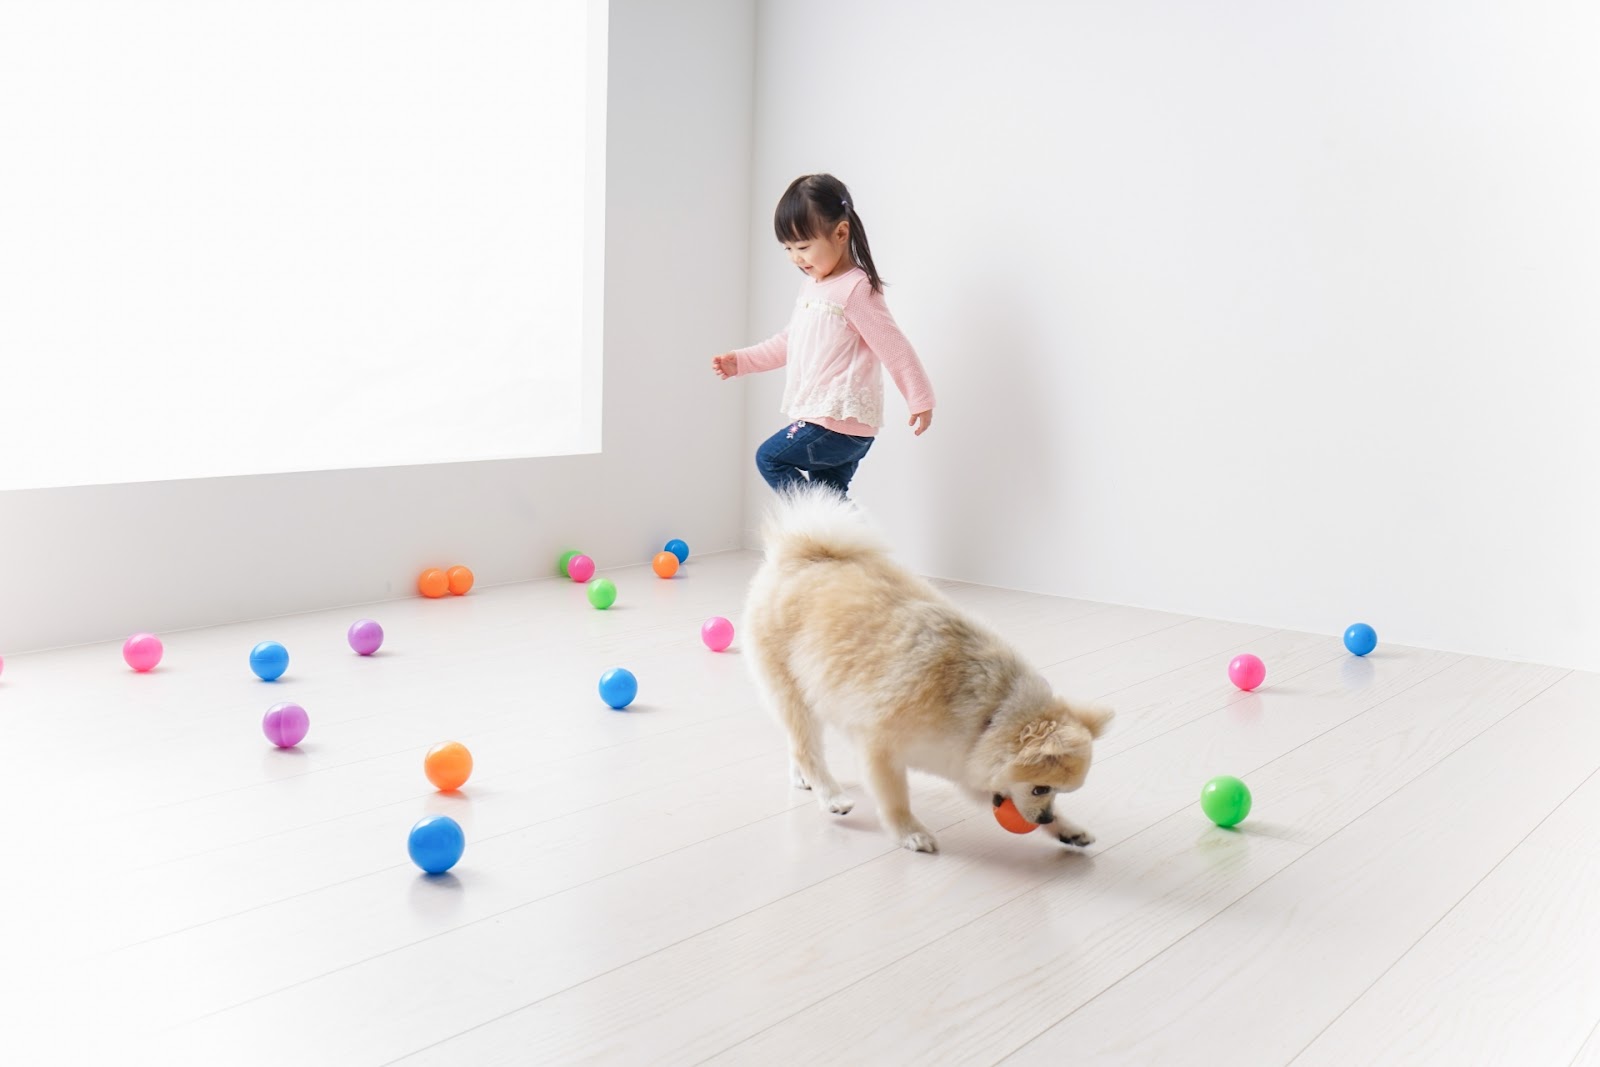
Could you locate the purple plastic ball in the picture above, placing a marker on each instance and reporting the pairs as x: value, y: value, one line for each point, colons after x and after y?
x: 286, y: 724
x: 366, y: 636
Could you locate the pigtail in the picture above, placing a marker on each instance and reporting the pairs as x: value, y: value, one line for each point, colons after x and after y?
x: 860, y: 250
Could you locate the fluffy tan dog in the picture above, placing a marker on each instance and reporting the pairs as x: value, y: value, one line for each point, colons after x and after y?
x: 838, y: 634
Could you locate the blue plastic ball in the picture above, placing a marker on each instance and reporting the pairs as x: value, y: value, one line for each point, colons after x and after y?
x: 269, y: 660
x: 679, y: 549
x: 618, y: 687
x: 1361, y: 639
x: 436, y: 843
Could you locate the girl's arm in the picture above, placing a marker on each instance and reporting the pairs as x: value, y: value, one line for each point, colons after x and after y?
x: 768, y: 355
x: 869, y: 314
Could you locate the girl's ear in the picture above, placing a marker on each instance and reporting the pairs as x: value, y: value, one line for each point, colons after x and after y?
x: 842, y: 231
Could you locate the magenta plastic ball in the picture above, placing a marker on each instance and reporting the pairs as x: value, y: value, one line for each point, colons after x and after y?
x: 286, y: 724
x: 366, y: 636
x: 142, y: 651
x: 580, y: 568
x: 1247, y: 671
x: 717, y: 633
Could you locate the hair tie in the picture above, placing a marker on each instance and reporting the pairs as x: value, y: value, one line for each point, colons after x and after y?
x: 845, y: 204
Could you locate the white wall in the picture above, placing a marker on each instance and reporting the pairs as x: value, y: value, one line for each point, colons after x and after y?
x: 99, y: 562
x: 1274, y: 312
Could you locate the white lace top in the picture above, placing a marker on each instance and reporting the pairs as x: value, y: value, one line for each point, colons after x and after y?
x: 839, y: 336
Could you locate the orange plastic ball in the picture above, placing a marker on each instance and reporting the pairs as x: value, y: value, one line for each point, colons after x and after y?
x: 460, y: 580
x: 433, y: 583
x: 665, y: 564
x: 448, y: 765
x: 1009, y: 817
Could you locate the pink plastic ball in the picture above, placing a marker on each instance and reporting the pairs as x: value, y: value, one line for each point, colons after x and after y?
x: 1247, y: 671
x: 365, y: 636
x: 717, y: 633
x: 142, y: 651
x: 286, y: 724
x: 580, y: 568
x: 2, y: 665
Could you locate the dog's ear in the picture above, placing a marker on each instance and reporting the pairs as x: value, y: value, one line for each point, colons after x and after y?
x: 1043, y: 740
x: 1095, y: 720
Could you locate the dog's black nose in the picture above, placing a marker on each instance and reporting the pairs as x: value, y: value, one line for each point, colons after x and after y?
x: 999, y: 800
x: 1047, y: 816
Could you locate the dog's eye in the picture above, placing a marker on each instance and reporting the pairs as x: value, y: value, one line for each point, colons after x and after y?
x: 1040, y: 790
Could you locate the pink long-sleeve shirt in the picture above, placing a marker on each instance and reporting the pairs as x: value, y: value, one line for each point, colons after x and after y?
x: 841, y: 332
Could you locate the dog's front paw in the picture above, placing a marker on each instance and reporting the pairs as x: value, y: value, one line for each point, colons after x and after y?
x: 1070, y: 833
x: 920, y: 841
x: 797, y: 776
x: 838, y: 804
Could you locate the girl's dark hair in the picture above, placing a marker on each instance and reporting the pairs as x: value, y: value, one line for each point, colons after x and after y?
x: 812, y: 207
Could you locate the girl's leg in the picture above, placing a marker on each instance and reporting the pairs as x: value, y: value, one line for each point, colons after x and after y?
x: 837, y: 477
x: 781, y: 458
x: 833, y: 458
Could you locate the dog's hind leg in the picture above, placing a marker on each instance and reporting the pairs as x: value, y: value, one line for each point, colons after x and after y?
x: 887, y: 777
x: 807, y: 768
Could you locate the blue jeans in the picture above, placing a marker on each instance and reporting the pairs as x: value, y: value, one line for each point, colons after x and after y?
x: 801, y: 449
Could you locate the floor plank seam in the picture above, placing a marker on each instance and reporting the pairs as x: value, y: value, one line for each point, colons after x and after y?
x: 1119, y: 644
x: 391, y: 754
x: 486, y: 837
x: 1576, y: 1056
x: 1444, y: 915
x: 1028, y: 889
x: 412, y: 798
x: 1280, y: 872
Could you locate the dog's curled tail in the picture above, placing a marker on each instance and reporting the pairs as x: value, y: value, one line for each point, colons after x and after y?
x: 811, y: 523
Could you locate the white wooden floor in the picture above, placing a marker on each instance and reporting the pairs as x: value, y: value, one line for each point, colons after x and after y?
x: 1419, y: 881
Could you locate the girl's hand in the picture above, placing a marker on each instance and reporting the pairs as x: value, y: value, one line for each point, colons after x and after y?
x: 921, y: 421
x: 725, y: 366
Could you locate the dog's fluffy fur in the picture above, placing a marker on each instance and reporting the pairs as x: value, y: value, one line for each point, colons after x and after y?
x: 838, y: 634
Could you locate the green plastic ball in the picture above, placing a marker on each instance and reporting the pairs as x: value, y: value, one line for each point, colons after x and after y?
x: 602, y: 593
x: 566, y: 558
x: 1225, y: 800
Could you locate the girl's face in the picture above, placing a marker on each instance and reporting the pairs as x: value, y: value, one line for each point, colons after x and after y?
x: 822, y: 257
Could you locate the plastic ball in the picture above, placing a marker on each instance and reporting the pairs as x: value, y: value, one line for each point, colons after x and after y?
x: 618, y: 687
x: 1007, y: 815
x: 433, y: 583
x: 717, y: 633
x: 365, y: 636
x: 2, y: 665
x: 665, y: 564
x: 580, y: 568
x: 459, y: 579
x: 269, y: 660
x: 603, y: 593
x: 1360, y: 639
x: 286, y: 724
x: 677, y: 548
x: 448, y: 765
x: 1247, y: 671
x: 566, y: 557
x: 1225, y: 800
x: 142, y: 651
x: 436, y: 843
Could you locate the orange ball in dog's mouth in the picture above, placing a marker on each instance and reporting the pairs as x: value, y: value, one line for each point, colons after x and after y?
x: 1007, y: 815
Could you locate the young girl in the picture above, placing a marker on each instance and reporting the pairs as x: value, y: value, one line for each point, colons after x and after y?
x: 840, y: 333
